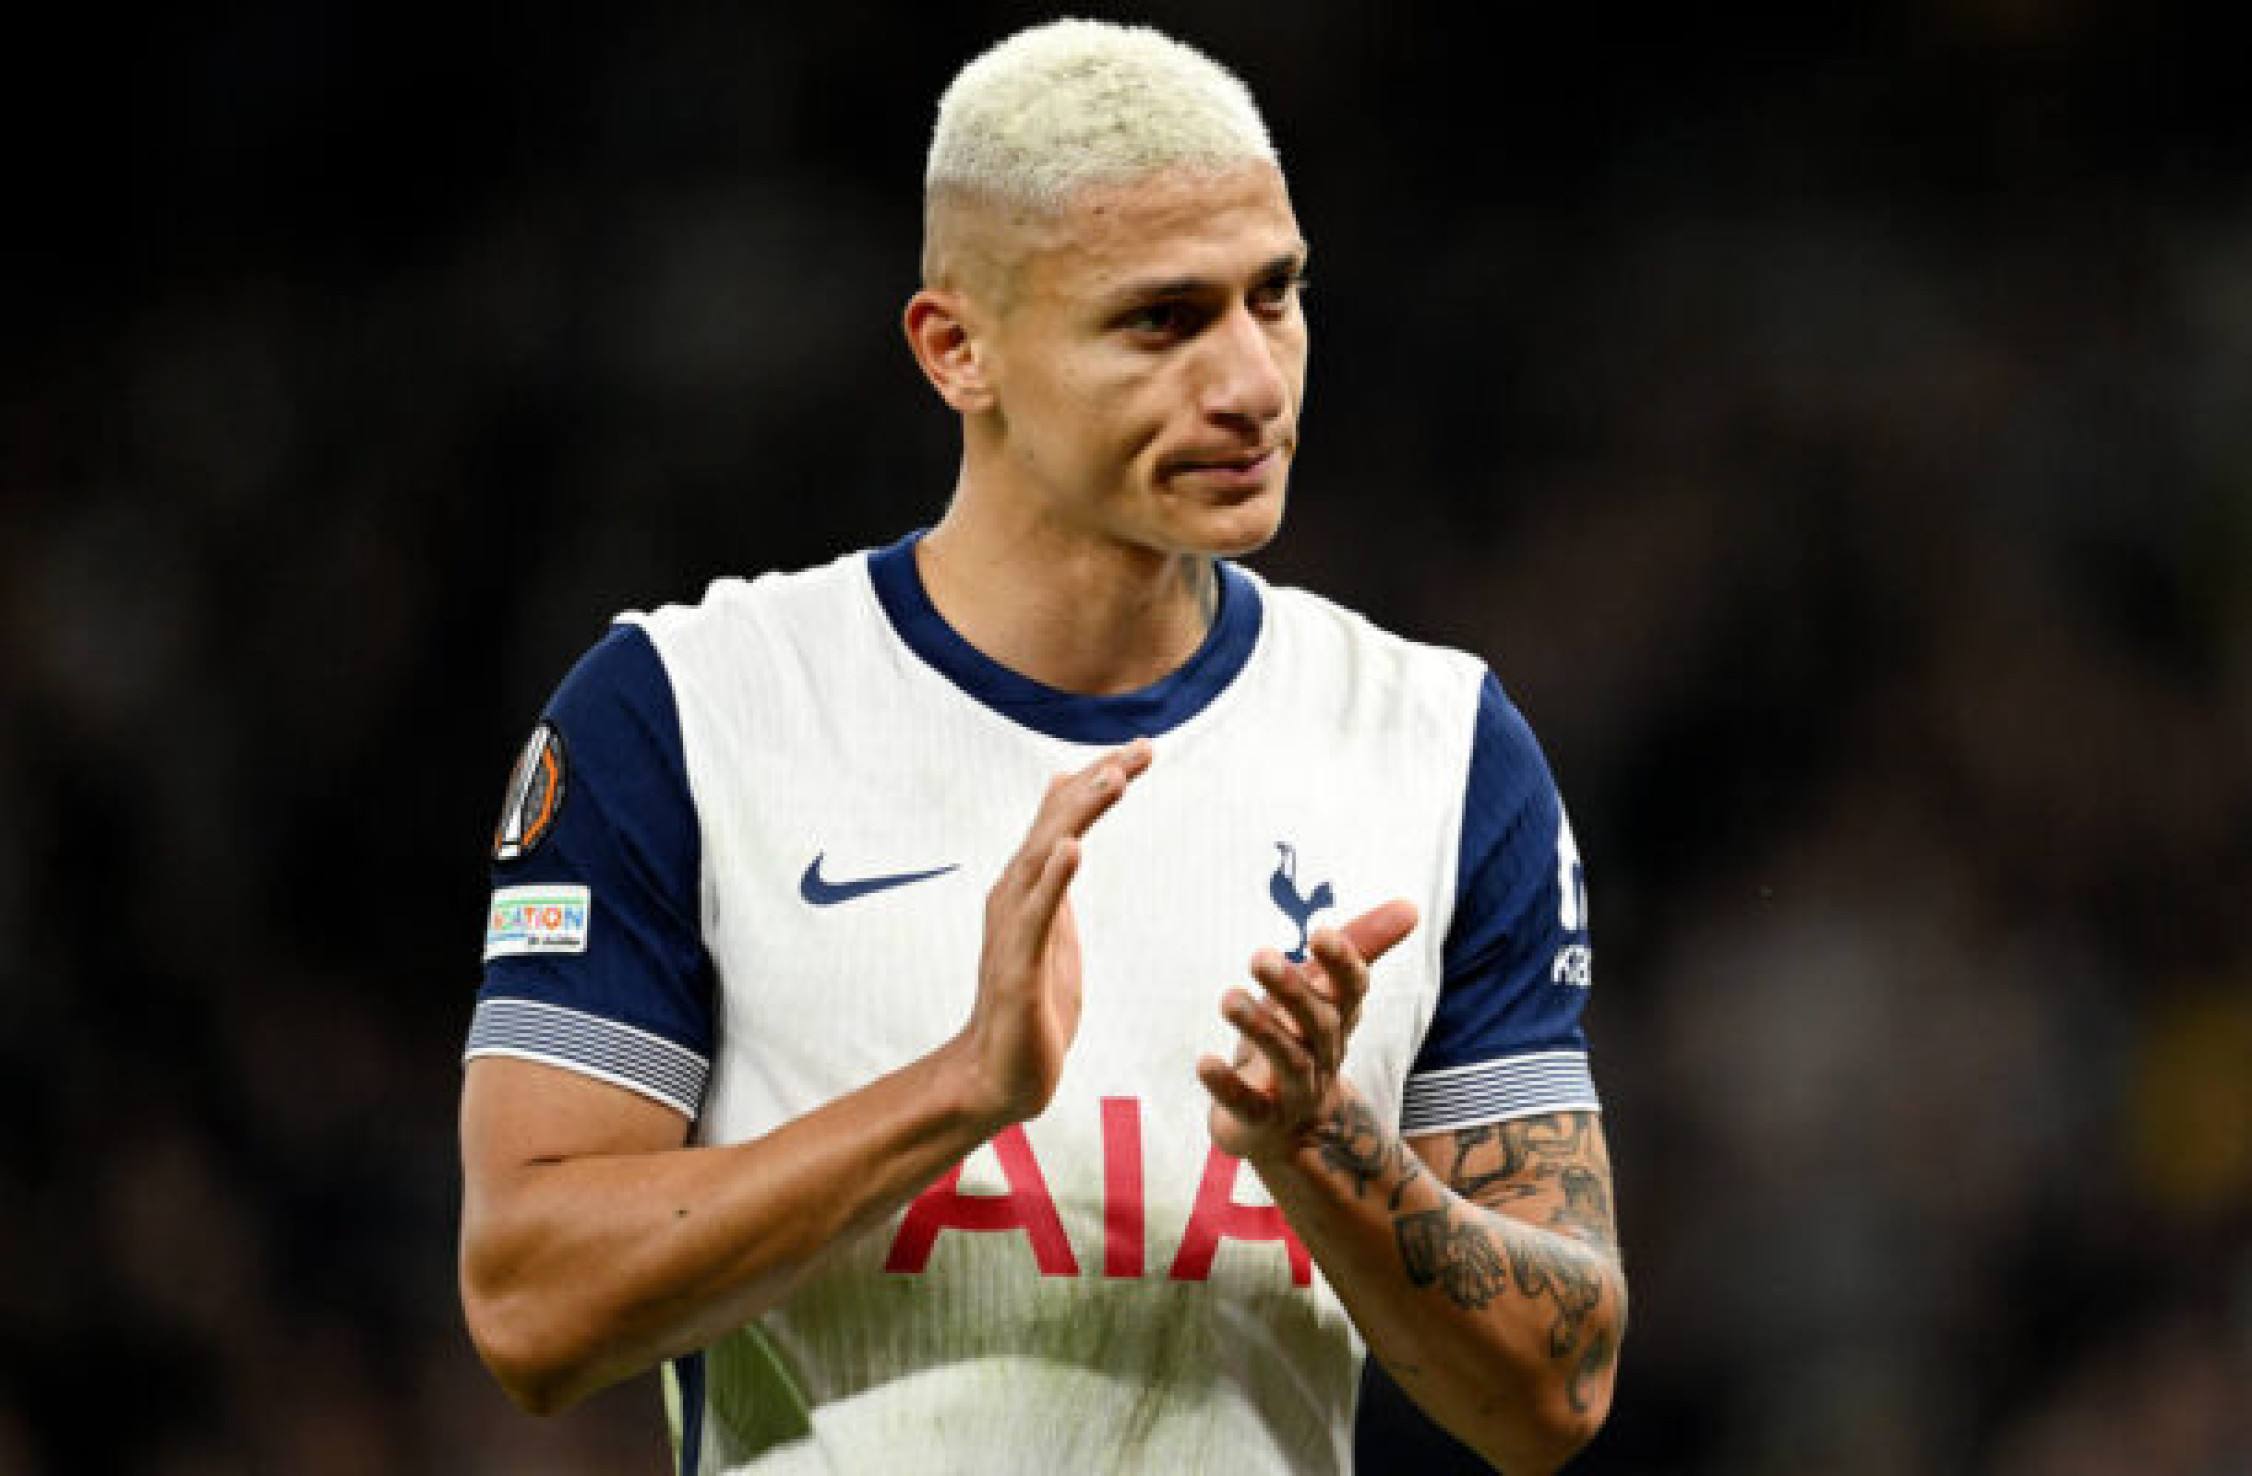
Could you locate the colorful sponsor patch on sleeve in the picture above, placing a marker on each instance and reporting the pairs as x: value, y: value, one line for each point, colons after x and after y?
x: 548, y: 919
x: 535, y: 795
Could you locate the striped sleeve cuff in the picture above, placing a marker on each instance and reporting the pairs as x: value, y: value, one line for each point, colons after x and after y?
x: 1493, y: 1091
x: 619, y: 1054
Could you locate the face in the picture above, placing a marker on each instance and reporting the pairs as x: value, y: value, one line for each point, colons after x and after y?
x: 1148, y: 365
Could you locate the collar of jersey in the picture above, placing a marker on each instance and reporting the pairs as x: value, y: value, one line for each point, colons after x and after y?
x: 1157, y: 708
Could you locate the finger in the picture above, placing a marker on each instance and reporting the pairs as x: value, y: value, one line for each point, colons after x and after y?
x: 1074, y: 802
x: 1281, y: 979
x: 1231, y: 1091
x: 1311, y: 1010
x: 1375, y: 932
x: 1266, y: 1028
x: 1046, y: 900
x: 1341, y: 968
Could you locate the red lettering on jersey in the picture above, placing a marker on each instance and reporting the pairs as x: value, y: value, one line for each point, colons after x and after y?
x: 1122, y: 1187
x: 1218, y: 1214
x: 1027, y: 1207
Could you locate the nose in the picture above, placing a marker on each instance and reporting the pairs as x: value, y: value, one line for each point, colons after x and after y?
x: 1245, y: 384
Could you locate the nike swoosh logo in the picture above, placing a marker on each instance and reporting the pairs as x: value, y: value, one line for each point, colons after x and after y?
x: 824, y: 893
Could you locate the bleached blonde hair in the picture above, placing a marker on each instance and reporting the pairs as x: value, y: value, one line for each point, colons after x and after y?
x: 1059, y: 107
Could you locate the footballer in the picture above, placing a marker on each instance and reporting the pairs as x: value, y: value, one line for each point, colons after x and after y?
x: 1036, y: 997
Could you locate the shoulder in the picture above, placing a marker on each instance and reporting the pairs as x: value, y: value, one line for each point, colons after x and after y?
x: 762, y: 632
x: 737, y: 607
x: 1430, y: 689
x: 1426, y: 677
x: 1448, y: 703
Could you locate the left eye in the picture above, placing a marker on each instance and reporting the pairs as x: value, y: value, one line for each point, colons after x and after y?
x: 1273, y: 295
x: 1163, y: 317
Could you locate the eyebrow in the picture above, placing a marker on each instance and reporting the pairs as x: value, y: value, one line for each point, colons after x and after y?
x: 1290, y: 263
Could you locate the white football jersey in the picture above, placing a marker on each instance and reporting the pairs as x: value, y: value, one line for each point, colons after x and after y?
x: 742, y: 870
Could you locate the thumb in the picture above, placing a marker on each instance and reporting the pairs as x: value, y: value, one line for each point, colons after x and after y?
x: 1375, y: 932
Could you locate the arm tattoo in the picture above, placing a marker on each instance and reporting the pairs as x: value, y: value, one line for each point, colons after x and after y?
x: 1512, y: 1157
x: 1460, y: 1258
x: 1357, y: 1145
x: 1545, y: 1268
x: 1465, y: 1259
x: 1601, y: 1350
x: 1587, y: 1209
x: 1506, y: 1162
x: 1567, y: 1264
x: 1472, y: 1258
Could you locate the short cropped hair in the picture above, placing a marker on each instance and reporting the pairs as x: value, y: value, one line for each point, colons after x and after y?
x: 1058, y: 107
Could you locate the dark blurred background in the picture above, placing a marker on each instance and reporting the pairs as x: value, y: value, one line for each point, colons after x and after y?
x: 1835, y: 429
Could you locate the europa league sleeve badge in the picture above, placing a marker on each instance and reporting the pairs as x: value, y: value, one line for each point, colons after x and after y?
x: 535, y: 795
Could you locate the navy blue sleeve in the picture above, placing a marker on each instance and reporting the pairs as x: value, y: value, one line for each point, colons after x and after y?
x: 1505, y: 1039
x: 594, y: 950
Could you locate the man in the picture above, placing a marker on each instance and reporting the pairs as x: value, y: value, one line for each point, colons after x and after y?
x: 888, y: 1182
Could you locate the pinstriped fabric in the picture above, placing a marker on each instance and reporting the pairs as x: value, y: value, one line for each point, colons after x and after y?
x: 635, y: 1059
x: 1514, y: 1086
x: 829, y: 723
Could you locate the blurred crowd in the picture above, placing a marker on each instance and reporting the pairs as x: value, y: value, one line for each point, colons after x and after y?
x: 1839, y: 443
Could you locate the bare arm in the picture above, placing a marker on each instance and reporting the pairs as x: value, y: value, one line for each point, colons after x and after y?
x: 1481, y: 1265
x: 595, y: 1245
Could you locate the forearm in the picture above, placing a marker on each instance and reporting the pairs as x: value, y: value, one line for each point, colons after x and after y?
x: 581, y: 1271
x: 1504, y: 1331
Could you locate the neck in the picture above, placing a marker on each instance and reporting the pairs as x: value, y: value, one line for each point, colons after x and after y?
x: 1069, y: 607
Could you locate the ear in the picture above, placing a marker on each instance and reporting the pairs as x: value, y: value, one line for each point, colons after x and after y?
x: 941, y: 337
